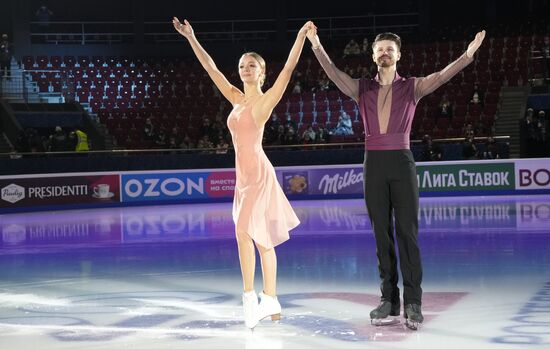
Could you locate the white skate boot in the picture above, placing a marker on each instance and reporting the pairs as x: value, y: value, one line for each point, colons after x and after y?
x: 250, y: 309
x: 269, y: 306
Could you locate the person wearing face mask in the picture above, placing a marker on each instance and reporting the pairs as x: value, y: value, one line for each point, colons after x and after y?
x: 387, y: 104
x: 262, y: 214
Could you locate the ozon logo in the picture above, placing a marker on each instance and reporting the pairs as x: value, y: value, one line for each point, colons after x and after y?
x: 158, y: 187
x: 534, y: 177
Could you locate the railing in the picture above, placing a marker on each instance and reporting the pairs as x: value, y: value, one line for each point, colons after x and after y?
x: 14, y: 87
x: 219, y: 30
x: 20, y: 84
x: 232, y: 30
x: 346, y: 26
x: 82, y: 33
x: 537, y: 56
x: 267, y: 148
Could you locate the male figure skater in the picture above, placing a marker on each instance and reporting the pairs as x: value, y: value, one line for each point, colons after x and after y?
x: 387, y: 104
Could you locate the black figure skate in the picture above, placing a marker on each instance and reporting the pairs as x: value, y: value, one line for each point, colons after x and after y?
x: 413, y: 316
x: 381, y: 315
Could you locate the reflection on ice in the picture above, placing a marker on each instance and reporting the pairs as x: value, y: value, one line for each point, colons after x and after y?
x: 197, y: 222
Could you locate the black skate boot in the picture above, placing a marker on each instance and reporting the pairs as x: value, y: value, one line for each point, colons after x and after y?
x: 379, y: 316
x: 413, y: 316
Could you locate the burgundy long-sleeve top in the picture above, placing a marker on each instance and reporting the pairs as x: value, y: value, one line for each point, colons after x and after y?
x: 388, y: 110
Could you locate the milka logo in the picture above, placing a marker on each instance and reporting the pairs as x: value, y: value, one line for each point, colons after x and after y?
x: 13, y: 193
x: 337, y: 182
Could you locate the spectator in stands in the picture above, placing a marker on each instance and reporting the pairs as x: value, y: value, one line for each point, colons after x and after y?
x: 262, y: 214
x: 323, y: 82
x: 349, y: 70
x: 297, y: 89
x: 430, y: 151
x: 79, y: 139
x: 546, y: 58
x: 307, y: 80
x: 291, y: 137
x: 298, y: 76
x: 205, y: 143
x: 344, y: 127
x: 36, y: 142
x: 468, y: 130
x: 279, y: 138
x: 528, y: 135
x: 187, y: 143
x: 352, y: 49
x: 541, y: 135
x: 161, y: 139
x: 222, y: 146
x: 480, y: 129
x: 387, y: 104
x: 364, y: 72
x: 289, y: 122
x: 492, y: 151
x: 478, y: 96
x: 219, y: 127
x: 308, y: 136
x: 206, y: 128
x: 445, y: 107
x: 133, y: 129
x: 174, y: 138
x: 6, y: 53
x: 322, y: 134
x: 22, y: 143
x: 365, y: 47
x: 469, y: 149
x: 43, y: 15
x: 148, y: 129
x: 271, y: 128
x: 58, y: 140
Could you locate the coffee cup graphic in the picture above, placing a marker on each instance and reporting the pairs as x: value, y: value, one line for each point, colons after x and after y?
x: 101, y: 191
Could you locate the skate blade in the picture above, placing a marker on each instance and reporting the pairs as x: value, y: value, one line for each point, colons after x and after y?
x: 385, y: 322
x: 413, y: 325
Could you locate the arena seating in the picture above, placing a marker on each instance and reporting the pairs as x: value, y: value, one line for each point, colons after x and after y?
x: 125, y: 91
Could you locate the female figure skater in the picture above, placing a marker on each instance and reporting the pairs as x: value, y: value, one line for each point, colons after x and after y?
x: 261, y: 212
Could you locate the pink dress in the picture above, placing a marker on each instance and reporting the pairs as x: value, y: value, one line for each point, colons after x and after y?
x: 260, y: 207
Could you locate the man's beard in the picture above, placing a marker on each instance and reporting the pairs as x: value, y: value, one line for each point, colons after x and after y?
x: 385, y: 62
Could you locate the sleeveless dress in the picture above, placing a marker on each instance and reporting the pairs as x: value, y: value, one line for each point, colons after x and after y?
x: 260, y: 207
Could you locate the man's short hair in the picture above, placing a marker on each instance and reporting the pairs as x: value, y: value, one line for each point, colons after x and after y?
x: 388, y: 36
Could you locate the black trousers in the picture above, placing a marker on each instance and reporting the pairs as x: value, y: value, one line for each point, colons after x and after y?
x: 391, y: 195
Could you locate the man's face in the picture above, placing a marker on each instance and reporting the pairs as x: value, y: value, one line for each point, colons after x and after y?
x: 385, y: 53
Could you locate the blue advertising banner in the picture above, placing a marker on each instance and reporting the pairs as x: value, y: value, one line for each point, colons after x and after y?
x: 163, y: 186
x: 178, y: 186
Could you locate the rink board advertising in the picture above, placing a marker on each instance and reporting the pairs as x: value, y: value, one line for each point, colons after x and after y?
x: 457, y: 178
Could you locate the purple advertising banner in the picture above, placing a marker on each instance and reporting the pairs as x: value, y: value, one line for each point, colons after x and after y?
x: 323, y: 181
x: 46, y: 191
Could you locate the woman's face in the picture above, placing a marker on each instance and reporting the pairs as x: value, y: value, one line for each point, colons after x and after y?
x: 250, y: 69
